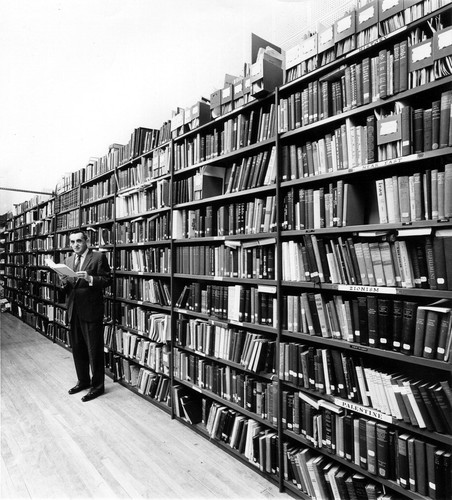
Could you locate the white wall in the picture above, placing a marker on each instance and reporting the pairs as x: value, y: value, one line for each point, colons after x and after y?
x: 78, y: 75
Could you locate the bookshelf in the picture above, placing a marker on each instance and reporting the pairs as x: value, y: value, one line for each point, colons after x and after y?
x: 282, y: 279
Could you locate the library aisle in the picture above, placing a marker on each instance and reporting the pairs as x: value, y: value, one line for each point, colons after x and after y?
x: 117, y: 446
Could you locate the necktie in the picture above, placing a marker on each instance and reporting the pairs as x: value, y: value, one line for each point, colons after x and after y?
x: 78, y: 259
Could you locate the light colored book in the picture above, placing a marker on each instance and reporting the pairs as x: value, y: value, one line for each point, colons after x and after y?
x: 61, y: 269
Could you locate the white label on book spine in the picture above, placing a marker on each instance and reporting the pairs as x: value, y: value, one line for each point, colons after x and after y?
x: 388, y: 4
x: 444, y: 39
x: 266, y: 289
x: 422, y: 52
x: 367, y: 14
x: 344, y: 24
x: 389, y: 127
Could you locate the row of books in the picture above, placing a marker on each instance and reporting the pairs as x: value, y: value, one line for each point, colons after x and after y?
x: 317, y: 476
x: 143, y: 140
x: 148, y: 260
x: 68, y: 200
x: 39, y: 290
x: 417, y: 466
x: 348, y: 87
x: 42, y: 275
x: 60, y: 334
x: 251, y: 350
x: 251, y: 172
x: 151, y: 167
x: 398, y: 325
x: 250, y: 438
x: 379, y: 24
x: 155, y: 356
x: 252, y: 217
x: 143, y: 230
x: 369, y: 80
x: 158, y: 162
x: 341, y: 204
x: 100, y: 236
x: 146, y: 382
x: 234, y: 133
x: 416, y: 197
x: 41, y: 228
x: 98, y: 190
x: 100, y: 212
x: 329, y: 371
x: 155, y: 326
x: 143, y: 290
x: 373, y: 446
x: 234, y: 303
x: 154, y: 385
x: 353, y: 144
x: 68, y: 221
x: 410, y: 262
x: 153, y: 198
x: 233, y: 259
x: 41, y: 244
x: 255, y: 395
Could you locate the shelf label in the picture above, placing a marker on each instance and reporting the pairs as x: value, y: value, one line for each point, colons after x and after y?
x: 371, y: 412
x: 367, y: 289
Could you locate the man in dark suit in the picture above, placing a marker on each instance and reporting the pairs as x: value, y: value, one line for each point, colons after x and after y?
x: 85, y: 307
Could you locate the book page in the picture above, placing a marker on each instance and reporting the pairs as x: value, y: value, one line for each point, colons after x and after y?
x: 61, y: 269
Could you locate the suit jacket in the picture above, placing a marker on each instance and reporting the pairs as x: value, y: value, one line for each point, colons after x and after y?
x: 88, y: 299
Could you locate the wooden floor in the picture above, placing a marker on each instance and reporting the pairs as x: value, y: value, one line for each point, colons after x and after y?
x: 117, y: 446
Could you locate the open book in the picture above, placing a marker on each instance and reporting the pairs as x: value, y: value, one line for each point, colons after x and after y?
x: 61, y: 268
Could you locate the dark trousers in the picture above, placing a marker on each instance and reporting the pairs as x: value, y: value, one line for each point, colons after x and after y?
x: 88, y: 351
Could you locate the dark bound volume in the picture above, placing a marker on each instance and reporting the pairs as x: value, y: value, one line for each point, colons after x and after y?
x: 421, y: 466
x: 432, y: 322
x: 418, y: 130
x: 426, y: 390
x: 444, y: 124
x: 385, y: 323
x: 372, y: 321
x: 436, y: 113
x: 440, y: 264
x: 363, y: 463
x: 402, y: 452
x: 430, y: 451
x: 382, y: 434
x: 445, y: 411
x: 419, y: 333
x: 408, y: 327
x: 397, y: 318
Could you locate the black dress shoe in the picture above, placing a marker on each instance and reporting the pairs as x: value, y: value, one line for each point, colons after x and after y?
x: 78, y: 388
x: 92, y: 394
